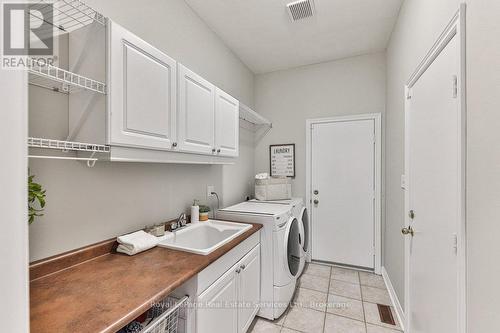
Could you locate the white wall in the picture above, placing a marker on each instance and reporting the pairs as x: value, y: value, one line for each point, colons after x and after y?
x: 88, y: 205
x: 483, y: 165
x: 287, y: 98
x: 419, y: 24
x: 14, y: 311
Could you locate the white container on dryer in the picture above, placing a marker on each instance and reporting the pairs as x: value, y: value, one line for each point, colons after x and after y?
x: 299, y: 211
x: 280, y: 252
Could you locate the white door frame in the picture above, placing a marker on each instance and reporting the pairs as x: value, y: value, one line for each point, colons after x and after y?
x: 456, y: 28
x: 377, y: 118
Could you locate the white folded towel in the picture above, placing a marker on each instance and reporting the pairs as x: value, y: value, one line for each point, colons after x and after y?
x: 136, y: 242
x: 264, y: 175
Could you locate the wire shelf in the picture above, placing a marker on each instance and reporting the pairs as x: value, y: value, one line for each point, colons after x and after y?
x: 61, y: 80
x: 67, y: 16
x: 67, y: 145
x: 253, y: 117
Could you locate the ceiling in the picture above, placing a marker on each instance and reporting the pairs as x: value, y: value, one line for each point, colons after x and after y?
x: 261, y: 34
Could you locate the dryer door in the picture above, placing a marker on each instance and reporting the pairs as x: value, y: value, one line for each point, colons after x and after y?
x: 292, y: 247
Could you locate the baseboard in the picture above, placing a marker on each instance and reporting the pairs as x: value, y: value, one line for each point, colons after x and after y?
x: 394, y: 298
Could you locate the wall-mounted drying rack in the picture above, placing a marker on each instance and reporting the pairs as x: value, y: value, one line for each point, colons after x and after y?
x: 67, y: 16
x: 61, y: 80
x: 63, y: 16
x: 67, y: 146
x: 260, y: 124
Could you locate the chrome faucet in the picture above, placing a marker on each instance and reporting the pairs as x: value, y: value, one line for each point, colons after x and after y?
x: 182, y: 220
x: 180, y: 223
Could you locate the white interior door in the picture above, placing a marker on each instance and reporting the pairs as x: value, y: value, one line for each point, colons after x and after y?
x: 433, y: 196
x: 343, y: 191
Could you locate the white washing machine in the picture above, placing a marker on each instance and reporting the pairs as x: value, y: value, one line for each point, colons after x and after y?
x: 280, y: 252
x: 299, y: 211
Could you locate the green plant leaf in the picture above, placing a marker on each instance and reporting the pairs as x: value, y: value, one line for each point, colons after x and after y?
x: 36, y: 198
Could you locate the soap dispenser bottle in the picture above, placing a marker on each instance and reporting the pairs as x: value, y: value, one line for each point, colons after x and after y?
x: 195, y: 212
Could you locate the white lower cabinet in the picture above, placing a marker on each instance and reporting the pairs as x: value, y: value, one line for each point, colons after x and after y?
x: 230, y: 303
x: 216, y: 312
x: 249, y: 289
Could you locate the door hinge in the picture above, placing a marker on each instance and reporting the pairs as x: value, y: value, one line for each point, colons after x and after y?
x: 455, y: 243
x: 408, y: 94
x: 455, y: 86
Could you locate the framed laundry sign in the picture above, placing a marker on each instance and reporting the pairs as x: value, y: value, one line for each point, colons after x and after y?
x: 282, y: 160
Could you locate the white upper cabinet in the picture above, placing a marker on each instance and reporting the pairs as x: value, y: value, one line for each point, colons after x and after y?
x: 226, y: 124
x: 196, y: 114
x: 157, y: 109
x: 142, y: 99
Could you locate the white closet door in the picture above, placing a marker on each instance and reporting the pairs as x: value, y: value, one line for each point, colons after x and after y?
x: 196, y: 113
x: 227, y: 124
x: 343, y: 168
x: 142, y: 96
x: 434, y: 196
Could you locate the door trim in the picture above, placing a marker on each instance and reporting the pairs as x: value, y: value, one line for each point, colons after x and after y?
x: 377, y: 118
x: 455, y: 28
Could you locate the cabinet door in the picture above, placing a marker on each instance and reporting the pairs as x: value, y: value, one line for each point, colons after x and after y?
x: 216, y: 310
x: 142, y: 95
x: 227, y: 124
x: 196, y: 113
x: 249, y: 289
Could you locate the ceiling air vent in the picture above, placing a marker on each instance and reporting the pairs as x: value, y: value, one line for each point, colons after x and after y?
x: 301, y: 9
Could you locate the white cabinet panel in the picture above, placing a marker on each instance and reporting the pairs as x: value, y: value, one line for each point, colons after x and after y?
x: 226, y: 124
x: 230, y: 304
x: 196, y: 113
x: 142, y: 97
x: 216, y: 311
x: 249, y: 289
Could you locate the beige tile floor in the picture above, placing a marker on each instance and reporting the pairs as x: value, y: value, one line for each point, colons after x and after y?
x: 333, y: 300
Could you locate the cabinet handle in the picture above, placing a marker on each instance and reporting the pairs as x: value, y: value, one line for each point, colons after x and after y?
x: 238, y: 271
x: 213, y: 150
x: 243, y: 266
x: 218, y: 150
x: 174, y: 144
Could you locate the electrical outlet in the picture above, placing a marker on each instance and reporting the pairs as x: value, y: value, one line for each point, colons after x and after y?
x: 210, y: 189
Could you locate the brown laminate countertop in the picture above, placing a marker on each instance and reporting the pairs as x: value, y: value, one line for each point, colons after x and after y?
x: 106, y: 293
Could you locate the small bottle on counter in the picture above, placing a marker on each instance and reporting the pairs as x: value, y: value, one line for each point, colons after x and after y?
x: 195, y: 212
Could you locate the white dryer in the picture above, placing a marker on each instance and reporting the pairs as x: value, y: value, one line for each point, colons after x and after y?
x: 299, y: 211
x: 280, y: 252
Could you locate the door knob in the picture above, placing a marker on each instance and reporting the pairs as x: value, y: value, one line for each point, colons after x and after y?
x: 213, y: 150
x: 407, y: 231
x: 218, y: 150
x: 238, y: 271
x: 316, y: 192
x: 316, y: 201
x: 243, y: 266
x: 174, y: 144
